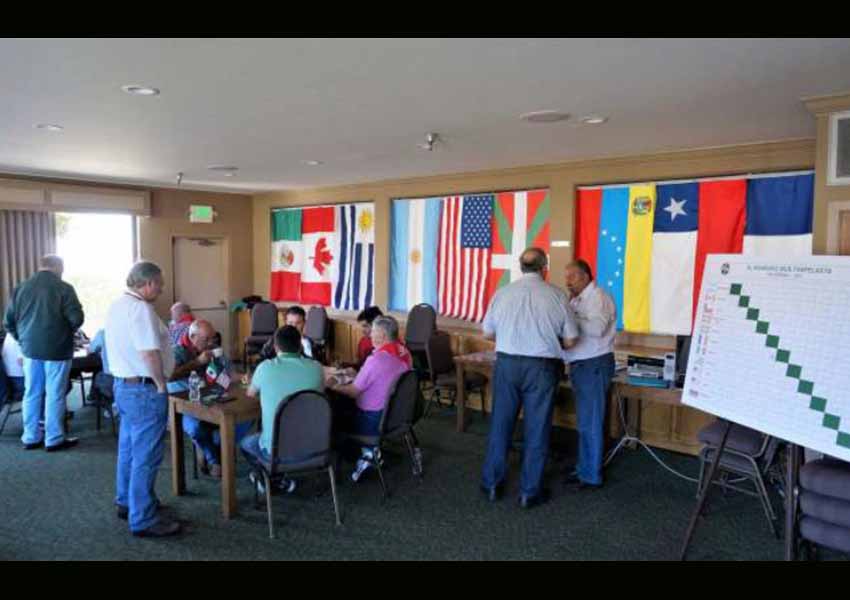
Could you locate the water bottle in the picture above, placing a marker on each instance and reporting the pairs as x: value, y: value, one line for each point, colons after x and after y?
x: 194, y: 387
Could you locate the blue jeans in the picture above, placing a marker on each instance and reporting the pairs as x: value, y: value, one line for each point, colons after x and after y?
x: 591, y: 379
x: 45, y: 381
x: 144, y: 415
x: 207, y: 437
x: 530, y: 384
x: 252, y: 452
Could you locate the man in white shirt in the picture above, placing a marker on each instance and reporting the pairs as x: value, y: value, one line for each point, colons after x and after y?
x: 591, y: 363
x: 13, y: 366
x: 141, y: 362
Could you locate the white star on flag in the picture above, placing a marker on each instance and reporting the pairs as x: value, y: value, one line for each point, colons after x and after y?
x: 676, y: 208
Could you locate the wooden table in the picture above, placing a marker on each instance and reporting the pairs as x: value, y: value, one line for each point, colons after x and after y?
x: 477, y: 362
x: 226, y: 415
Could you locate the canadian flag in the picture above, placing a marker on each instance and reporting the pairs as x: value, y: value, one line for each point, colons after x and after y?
x: 317, y: 239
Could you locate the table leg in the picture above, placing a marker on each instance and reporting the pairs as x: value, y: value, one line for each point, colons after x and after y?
x: 178, y: 466
x: 460, y: 400
x: 227, y: 429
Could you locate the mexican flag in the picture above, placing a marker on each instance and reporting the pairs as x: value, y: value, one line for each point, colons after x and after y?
x: 317, y: 237
x: 520, y: 220
x: 287, y: 255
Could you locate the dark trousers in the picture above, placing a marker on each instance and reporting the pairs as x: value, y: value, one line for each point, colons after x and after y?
x: 591, y: 379
x: 527, y: 383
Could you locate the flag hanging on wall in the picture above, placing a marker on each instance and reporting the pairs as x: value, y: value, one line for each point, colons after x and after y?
x: 324, y: 255
x: 647, y: 243
x: 454, y: 252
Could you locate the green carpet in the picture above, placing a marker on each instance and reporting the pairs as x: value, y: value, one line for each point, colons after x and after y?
x: 59, y: 506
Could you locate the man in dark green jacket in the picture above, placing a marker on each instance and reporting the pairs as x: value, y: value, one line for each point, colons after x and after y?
x: 43, y: 315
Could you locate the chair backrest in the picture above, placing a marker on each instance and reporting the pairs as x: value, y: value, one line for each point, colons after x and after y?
x: 439, y: 353
x: 263, y: 318
x: 401, y: 405
x: 421, y: 324
x: 316, y: 327
x: 302, y: 428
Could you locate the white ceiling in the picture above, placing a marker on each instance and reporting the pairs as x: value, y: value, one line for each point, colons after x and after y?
x: 362, y: 105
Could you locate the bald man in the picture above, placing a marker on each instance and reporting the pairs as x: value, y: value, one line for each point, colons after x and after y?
x: 194, y: 352
x: 181, y: 318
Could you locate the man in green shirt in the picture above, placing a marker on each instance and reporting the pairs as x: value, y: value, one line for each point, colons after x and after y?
x: 275, y: 380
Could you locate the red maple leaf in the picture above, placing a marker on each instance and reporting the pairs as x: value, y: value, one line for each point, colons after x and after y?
x: 322, y: 256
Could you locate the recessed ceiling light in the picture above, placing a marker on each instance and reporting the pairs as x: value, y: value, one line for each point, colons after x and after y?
x: 49, y: 127
x: 312, y: 163
x: 593, y: 120
x: 545, y: 116
x: 226, y: 169
x: 229, y: 173
x: 140, y: 90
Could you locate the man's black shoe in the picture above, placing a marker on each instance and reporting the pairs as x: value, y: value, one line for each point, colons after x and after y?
x: 33, y: 446
x: 531, y: 501
x: 63, y: 445
x: 160, y: 529
x: 123, y: 512
x: 492, y: 494
x: 572, y: 479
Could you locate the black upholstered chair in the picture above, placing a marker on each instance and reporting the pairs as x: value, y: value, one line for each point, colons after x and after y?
x: 443, y: 374
x: 823, y: 505
x: 421, y: 325
x: 301, y: 445
x: 397, y: 422
x: 748, y: 455
x: 263, y: 326
x: 316, y: 329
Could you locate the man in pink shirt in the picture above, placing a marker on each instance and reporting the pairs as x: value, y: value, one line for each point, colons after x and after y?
x: 373, y: 385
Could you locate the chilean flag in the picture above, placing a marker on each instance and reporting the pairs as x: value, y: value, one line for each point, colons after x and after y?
x: 761, y: 216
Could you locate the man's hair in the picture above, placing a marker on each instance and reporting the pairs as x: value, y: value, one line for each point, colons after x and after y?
x: 296, y: 310
x: 370, y: 314
x: 388, y: 325
x: 51, y: 262
x: 532, y: 260
x: 582, y: 266
x: 142, y: 273
x: 287, y: 339
x: 182, y: 307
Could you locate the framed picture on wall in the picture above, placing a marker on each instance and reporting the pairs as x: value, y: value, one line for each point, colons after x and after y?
x: 838, y: 171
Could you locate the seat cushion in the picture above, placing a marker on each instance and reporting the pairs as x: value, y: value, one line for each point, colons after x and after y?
x: 825, y: 508
x: 731, y: 462
x: 825, y: 534
x: 743, y: 439
x: 828, y: 477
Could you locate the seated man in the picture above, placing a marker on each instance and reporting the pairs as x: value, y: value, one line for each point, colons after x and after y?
x: 372, y: 387
x: 103, y: 381
x: 364, y: 346
x: 181, y: 318
x: 194, y: 353
x: 13, y: 368
x: 295, y: 317
x: 274, y: 380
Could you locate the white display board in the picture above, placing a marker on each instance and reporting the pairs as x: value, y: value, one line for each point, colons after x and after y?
x: 771, y: 348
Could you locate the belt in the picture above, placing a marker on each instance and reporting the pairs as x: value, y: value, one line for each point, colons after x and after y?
x: 137, y: 380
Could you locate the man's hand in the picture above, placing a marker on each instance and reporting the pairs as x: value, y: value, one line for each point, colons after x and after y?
x: 204, y: 357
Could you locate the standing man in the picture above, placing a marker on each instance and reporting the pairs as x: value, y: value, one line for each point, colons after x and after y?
x: 43, y: 315
x: 532, y: 322
x: 141, y: 361
x: 591, y: 370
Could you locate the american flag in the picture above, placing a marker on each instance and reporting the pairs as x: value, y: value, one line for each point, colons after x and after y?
x: 463, y: 261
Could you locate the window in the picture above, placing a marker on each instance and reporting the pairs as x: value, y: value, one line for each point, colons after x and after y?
x: 98, y: 253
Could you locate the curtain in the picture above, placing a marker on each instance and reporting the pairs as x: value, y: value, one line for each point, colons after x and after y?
x: 24, y: 238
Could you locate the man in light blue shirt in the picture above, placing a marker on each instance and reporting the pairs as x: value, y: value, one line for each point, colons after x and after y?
x: 532, y: 322
x: 591, y: 370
